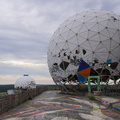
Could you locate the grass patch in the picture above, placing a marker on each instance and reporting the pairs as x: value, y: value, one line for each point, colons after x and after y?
x: 91, y: 98
x: 110, y: 106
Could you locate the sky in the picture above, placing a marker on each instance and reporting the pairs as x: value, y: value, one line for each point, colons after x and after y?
x: 26, y: 28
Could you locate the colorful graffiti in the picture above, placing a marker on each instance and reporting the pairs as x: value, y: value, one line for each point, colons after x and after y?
x: 49, y: 104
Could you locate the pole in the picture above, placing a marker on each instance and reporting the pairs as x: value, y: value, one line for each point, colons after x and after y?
x: 89, y: 86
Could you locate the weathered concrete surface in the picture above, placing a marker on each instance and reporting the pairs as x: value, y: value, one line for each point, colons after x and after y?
x: 51, y: 105
x: 107, y: 100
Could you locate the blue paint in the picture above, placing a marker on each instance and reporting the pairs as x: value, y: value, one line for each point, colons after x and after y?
x: 81, y: 79
x: 83, y: 65
x: 109, y: 61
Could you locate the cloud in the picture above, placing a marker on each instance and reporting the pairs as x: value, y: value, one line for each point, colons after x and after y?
x: 26, y: 27
x: 111, y: 5
x: 11, y: 79
x: 20, y: 67
x: 93, y: 4
x: 19, y: 63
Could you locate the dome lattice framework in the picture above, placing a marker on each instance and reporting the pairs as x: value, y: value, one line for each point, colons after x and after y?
x: 89, y: 38
x: 25, y: 82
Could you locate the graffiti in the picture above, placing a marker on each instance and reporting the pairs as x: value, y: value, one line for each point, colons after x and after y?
x: 116, y: 104
x: 53, y: 105
x: 66, y: 63
x: 41, y: 107
x: 105, y: 102
x: 31, y: 83
x: 75, y: 61
x: 109, y: 112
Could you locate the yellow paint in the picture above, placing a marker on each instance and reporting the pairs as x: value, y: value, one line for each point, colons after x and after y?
x: 108, y: 112
x: 95, y: 108
x: 29, y: 106
x: 82, y: 83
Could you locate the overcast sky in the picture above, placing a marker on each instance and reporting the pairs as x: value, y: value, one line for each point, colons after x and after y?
x: 26, y: 27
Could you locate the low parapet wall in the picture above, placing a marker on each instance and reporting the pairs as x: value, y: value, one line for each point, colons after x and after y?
x: 8, y: 102
x: 84, y: 88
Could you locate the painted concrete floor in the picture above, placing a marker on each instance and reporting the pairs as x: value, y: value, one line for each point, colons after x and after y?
x: 51, y: 105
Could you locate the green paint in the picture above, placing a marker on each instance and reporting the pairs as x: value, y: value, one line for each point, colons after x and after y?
x: 98, y: 81
x: 89, y: 86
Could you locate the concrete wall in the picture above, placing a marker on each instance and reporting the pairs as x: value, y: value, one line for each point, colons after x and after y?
x: 8, y: 102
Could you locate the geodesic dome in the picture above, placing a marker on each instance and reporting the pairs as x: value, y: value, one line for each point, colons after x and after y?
x: 25, y: 82
x: 85, y: 44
